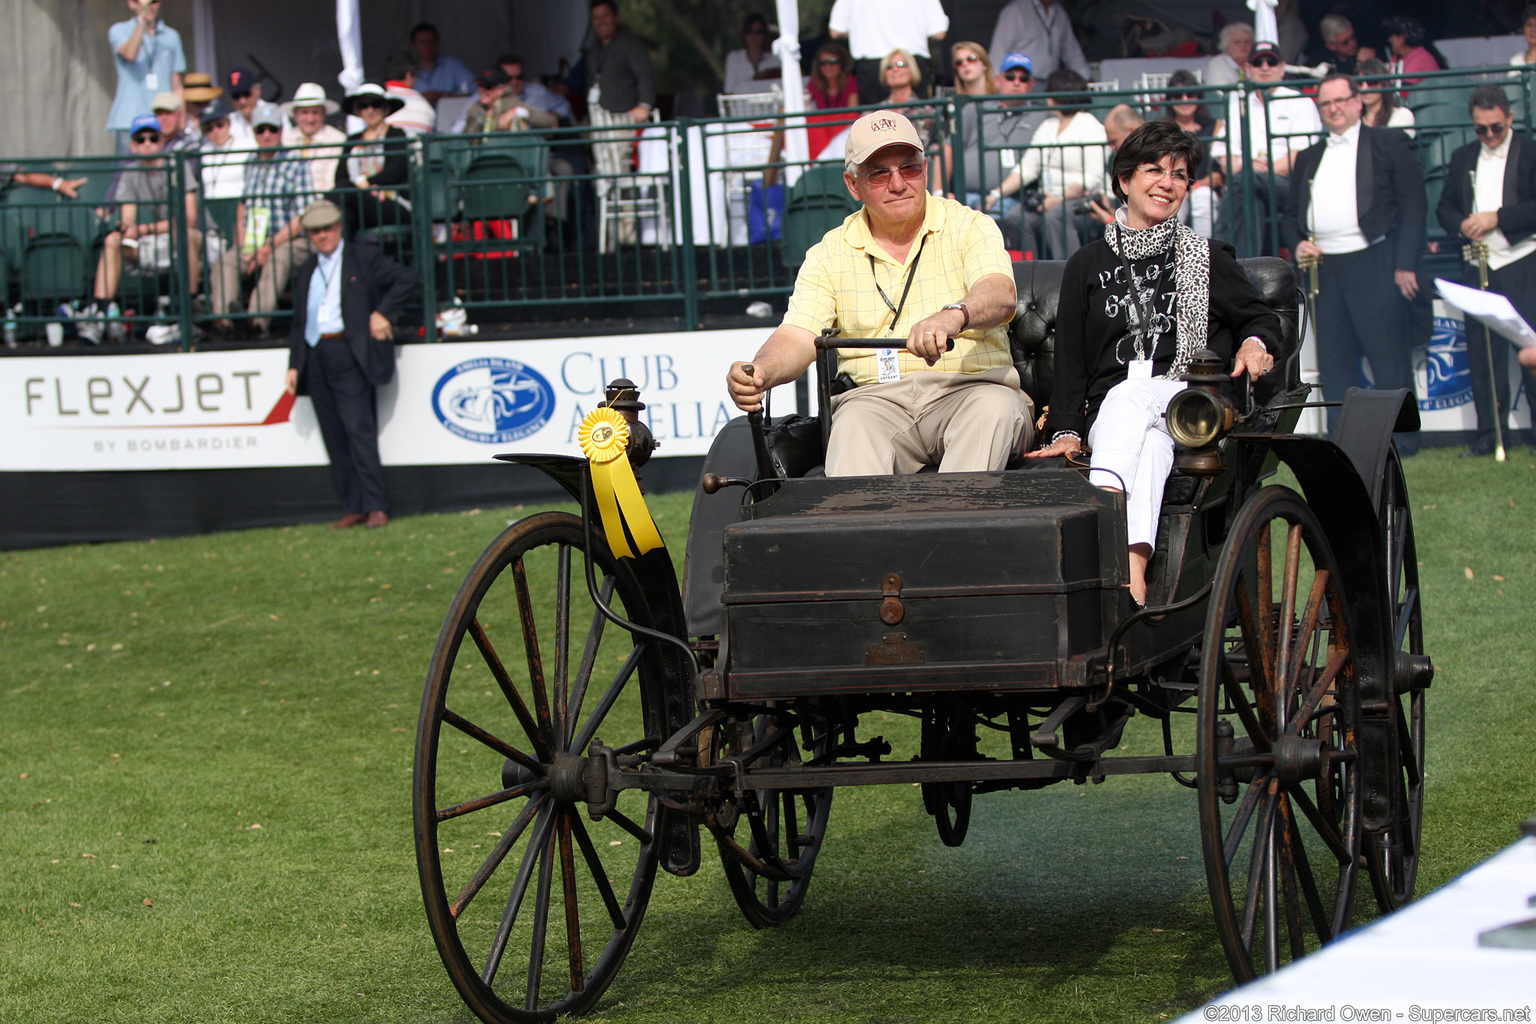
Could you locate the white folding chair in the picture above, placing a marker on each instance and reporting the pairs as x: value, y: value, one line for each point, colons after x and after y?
x: 745, y: 146
x: 623, y: 195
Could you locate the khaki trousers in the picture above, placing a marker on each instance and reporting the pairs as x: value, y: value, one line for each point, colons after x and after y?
x: 224, y: 286
x: 961, y: 422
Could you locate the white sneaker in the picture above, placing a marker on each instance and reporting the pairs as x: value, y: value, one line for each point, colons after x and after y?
x: 163, y: 334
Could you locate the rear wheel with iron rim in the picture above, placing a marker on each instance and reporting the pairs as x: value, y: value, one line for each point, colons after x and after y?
x: 532, y: 905
x: 1395, y: 852
x: 949, y: 734
x: 1277, y: 744
x: 768, y: 839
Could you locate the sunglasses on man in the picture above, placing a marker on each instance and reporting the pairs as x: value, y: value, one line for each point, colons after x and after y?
x: 240, y: 94
x: 267, y: 129
x: 1266, y: 61
x: 1019, y: 76
x: 1490, y: 130
x: 144, y: 137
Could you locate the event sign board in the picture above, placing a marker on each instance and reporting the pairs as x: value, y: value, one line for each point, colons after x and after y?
x: 451, y: 403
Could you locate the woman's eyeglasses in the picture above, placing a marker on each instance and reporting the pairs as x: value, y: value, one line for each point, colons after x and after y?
x: 880, y: 177
x: 1155, y: 174
x: 969, y: 58
x: 368, y: 105
x: 896, y: 64
x: 828, y: 61
x: 1182, y: 97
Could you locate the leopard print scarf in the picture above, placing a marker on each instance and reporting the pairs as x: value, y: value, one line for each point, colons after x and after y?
x: 1191, y: 278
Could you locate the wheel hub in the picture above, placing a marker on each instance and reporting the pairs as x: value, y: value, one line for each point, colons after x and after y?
x: 1300, y: 757
x: 567, y: 778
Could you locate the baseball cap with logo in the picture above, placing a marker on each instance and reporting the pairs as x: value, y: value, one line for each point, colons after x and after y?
x: 144, y: 123
x: 241, y: 79
x: 878, y: 129
x: 267, y: 114
x: 490, y: 78
x: 1017, y: 60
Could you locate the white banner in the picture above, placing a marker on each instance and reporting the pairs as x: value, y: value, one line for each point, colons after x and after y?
x: 201, y: 410
x: 464, y: 402
x: 452, y: 403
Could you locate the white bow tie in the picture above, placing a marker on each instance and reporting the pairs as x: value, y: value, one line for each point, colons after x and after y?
x: 1337, y: 140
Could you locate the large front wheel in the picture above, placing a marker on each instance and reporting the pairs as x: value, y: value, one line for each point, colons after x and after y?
x: 532, y: 904
x: 1277, y: 746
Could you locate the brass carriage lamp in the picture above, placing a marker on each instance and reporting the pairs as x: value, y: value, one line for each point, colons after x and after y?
x: 1200, y: 415
x: 623, y: 397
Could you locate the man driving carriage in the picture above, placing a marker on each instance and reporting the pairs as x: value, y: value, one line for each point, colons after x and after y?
x: 907, y: 264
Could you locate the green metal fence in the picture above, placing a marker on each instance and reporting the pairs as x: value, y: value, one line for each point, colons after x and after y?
x: 520, y: 225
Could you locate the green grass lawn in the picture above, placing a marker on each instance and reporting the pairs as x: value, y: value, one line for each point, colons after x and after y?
x: 205, y: 755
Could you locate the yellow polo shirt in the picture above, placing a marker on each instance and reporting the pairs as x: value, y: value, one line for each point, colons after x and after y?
x: 836, y: 288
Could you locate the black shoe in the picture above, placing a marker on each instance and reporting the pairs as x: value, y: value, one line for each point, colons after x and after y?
x: 1478, y: 450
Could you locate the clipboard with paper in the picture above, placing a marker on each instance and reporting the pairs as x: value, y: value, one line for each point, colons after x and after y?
x: 1491, y: 309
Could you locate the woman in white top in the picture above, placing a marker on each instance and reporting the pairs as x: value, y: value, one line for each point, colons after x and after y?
x: 753, y: 68
x: 221, y: 159
x: 1381, y: 101
x: 1066, y: 155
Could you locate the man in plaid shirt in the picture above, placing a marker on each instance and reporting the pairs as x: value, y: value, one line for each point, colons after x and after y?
x: 269, y: 242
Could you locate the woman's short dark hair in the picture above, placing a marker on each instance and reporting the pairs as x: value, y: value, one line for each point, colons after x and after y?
x: 1185, y: 82
x: 1148, y: 145
x: 1065, y: 80
x: 754, y: 19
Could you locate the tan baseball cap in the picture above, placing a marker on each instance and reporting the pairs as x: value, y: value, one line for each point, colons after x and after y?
x: 878, y: 129
x: 165, y: 101
x: 321, y: 213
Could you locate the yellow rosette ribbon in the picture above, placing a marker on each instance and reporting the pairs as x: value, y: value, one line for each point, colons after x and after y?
x: 604, y: 439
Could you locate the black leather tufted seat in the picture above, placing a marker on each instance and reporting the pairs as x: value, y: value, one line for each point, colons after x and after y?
x: 1032, y: 334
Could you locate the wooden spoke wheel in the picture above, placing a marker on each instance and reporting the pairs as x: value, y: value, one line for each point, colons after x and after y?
x: 949, y: 734
x: 768, y: 839
x: 1395, y: 853
x: 532, y: 904
x: 1277, y: 744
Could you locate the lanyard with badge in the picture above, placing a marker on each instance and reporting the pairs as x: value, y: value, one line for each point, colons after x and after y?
x: 150, y: 46
x: 888, y: 360
x: 1150, y: 324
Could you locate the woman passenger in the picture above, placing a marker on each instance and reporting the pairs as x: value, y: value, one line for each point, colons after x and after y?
x: 1135, y: 306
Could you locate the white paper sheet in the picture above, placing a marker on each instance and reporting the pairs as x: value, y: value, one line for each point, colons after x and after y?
x: 1489, y: 308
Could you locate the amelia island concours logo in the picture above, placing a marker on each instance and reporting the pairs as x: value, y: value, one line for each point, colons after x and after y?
x: 493, y: 400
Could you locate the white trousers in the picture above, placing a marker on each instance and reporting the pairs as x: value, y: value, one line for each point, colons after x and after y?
x: 1133, y: 451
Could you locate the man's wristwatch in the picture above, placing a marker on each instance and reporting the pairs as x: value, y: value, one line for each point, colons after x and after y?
x: 963, y: 312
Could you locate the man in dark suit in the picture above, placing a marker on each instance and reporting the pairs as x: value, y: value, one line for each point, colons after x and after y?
x: 1490, y: 197
x: 345, y: 299
x: 1358, y: 202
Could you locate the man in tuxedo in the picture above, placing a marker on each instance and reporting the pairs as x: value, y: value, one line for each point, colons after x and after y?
x: 346, y: 297
x: 1490, y: 197
x: 1357, y: 201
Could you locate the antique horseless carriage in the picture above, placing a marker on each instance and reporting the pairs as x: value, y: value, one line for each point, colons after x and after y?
x: 582, y: 720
